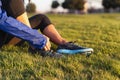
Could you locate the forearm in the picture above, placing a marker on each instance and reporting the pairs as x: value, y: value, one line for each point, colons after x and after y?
x: 16, y: 28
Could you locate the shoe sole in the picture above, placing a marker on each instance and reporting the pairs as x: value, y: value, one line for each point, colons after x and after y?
x: 87, y: 51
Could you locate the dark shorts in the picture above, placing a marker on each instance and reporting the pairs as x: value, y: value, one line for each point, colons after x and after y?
x: 39, y: 21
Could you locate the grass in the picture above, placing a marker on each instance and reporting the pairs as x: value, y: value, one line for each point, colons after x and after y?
x: 98, y: 31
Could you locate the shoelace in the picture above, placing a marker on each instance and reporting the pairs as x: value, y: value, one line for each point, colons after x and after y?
x: 74, y: 43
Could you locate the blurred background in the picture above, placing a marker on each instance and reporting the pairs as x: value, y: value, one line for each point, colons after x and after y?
x: 72, y: 6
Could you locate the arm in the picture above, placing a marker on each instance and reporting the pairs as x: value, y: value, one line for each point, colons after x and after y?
x: 16, y: 28
x: 24, y: 19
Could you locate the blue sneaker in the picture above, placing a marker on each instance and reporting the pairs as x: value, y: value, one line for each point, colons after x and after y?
x: 72, y: 48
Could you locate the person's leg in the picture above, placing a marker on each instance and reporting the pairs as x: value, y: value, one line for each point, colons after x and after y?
x: 53, y: 34
x: 42, y: 22
x: 5, y: 38
x: 2, y: 37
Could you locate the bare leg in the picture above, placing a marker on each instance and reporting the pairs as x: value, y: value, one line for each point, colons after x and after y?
x: 53, y: 34
x: 14, y: 41
x: 42, y: 22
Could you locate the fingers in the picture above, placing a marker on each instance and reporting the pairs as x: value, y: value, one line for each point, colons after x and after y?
x: 48, y: 45
x: 45, y: 48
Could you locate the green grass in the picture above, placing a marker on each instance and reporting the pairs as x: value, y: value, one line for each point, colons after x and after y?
x: 98, y: 31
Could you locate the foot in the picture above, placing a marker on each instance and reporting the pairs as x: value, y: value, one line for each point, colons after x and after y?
x: 44, y: 53
x: 72, y: 48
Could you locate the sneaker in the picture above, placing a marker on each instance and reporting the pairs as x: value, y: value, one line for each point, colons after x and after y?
x: 44, y: 53
x: 72, y: 48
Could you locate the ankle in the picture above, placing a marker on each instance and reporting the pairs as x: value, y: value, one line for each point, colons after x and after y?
x: 63, y: 42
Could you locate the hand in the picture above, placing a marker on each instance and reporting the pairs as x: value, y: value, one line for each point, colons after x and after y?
x: 48, y: 45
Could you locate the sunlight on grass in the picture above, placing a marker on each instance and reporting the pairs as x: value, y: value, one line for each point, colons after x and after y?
x: 99, y: 31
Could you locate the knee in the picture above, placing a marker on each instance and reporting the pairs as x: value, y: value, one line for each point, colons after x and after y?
x: 42, y: 16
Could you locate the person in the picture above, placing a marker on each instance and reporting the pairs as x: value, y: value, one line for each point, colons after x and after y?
x: 21, y: 28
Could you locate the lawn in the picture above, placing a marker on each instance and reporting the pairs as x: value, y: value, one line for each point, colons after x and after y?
x: 98, y: 31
